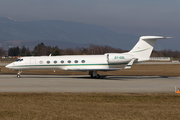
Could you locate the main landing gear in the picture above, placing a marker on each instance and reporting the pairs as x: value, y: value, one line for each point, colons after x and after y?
x: 19, y: 74
x: 94, y: 74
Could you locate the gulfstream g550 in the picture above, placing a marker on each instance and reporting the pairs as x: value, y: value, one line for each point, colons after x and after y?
x: 92, y: 63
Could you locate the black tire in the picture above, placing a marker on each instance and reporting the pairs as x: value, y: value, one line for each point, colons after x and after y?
x: 91, y: 75
x: 18, y: 76
x: 97, y: 76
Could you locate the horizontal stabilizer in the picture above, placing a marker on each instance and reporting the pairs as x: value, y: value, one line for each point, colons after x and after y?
x: 154, y: 37
x: 128, y: 66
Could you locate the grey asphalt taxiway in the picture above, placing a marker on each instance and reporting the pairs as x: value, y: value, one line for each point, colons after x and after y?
x: 83, y: 83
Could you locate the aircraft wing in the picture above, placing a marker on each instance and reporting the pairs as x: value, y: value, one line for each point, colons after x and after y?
x: 96, y: 69
x: 128, y: 66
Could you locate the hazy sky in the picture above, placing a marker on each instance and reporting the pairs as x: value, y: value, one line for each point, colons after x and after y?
x: 140, y: 17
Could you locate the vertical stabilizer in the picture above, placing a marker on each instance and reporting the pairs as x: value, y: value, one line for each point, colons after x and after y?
x: 143, y: 49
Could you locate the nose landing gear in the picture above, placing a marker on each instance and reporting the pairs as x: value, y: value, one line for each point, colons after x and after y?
x: 19, y: 74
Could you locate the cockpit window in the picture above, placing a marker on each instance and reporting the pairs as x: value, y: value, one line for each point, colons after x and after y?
x: 19, y: 60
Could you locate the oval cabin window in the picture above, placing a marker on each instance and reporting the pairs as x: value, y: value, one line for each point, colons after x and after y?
x: 76, y: 61
x: 41, y: 62
x: 69, y: 61
x: 48, y: 62
x: 83, y: 61
x: 55, y: 61
x: 62, y: 61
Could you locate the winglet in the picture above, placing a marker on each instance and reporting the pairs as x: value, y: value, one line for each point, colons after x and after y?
x: 128, y: 66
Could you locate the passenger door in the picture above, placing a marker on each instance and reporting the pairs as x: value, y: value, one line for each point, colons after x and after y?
x: 33, y: 62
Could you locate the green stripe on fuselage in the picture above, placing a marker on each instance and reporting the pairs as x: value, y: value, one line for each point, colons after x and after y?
x: 70, y: 65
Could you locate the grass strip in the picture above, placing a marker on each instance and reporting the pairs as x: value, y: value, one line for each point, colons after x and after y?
x: 89, y: 106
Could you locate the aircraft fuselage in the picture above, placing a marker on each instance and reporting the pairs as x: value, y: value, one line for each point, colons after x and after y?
x: 72, y: 62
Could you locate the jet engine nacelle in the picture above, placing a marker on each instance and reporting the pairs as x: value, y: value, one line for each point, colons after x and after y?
x: 118, y: 58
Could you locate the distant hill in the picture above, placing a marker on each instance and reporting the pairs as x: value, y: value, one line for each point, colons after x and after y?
x: 69, y: 34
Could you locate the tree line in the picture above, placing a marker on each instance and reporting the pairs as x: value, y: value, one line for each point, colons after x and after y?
x: 42, y: 50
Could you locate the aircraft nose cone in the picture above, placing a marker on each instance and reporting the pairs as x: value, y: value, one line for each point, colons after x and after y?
x: 9, y: 66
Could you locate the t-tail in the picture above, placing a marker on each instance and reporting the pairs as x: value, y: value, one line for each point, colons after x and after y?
x: 143, y: 49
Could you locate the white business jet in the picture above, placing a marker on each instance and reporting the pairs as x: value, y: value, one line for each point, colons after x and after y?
x: 92, y: 63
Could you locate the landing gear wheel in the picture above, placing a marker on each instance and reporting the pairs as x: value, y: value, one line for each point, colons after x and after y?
x: 18, y: 76
x: 91, y: 75
x: 97, y: 76
x: 94, y: 74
